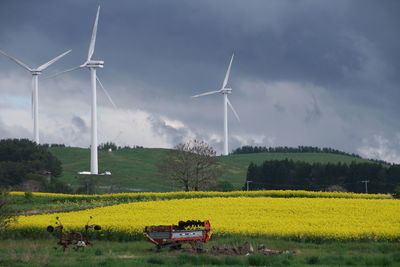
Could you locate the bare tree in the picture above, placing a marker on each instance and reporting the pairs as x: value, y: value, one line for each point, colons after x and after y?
x: 191, y: 165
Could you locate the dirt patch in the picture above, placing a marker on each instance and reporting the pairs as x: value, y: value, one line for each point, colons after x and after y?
x: 245, y: 249
x: 266, y: 251
x: 126, y: 257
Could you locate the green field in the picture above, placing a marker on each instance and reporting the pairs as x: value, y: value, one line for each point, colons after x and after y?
x: 24, y: 249
x: 41, y: 252
x: 136, y: 169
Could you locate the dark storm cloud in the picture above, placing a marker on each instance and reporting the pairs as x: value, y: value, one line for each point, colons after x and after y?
x: 184, y: 45
x: 159, y: 52
x: 79, y: 123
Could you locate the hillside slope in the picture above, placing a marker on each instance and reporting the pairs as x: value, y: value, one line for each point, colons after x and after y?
x: 136, y: 169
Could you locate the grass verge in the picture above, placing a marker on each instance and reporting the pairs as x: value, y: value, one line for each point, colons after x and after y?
x: 38, y: 252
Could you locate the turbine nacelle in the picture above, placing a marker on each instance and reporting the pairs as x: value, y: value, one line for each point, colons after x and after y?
x: 226, y: 90
x: 94, y: 64
x: 36, y: 72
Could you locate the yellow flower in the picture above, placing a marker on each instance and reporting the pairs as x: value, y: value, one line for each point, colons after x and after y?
x: 198, y: 194
x: 310, y: 218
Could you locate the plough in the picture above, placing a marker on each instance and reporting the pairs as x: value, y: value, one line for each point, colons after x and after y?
x: 77, y: 239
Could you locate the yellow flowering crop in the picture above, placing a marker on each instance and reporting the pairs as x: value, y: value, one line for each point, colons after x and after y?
x: 308, y: 218
x: 198, y: 194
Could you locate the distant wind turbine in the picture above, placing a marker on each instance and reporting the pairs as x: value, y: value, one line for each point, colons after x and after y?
x: 92, y: 65
x: 225, y: 91
x: 35, y: 88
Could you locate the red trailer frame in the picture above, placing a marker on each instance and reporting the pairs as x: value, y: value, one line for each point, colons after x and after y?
x: 174, y: 236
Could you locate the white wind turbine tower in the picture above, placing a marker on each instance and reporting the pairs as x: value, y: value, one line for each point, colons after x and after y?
x: 92, y: 65
x: 224, y: 91
x: 35, y: 88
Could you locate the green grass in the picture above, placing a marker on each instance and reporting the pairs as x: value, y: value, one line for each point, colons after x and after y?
x: 25, y: 252
x: 42, y: 205
x: 132, y: 170
x: 136, y: 170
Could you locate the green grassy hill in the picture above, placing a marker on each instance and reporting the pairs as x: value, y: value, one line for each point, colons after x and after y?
x: 136, y: 169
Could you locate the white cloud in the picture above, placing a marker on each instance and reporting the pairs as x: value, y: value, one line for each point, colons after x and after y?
x: 173, y: 123
x: 249, y: 139
x: 379, y: 147
x: 272, y: 114
x: 125, y: 127
x: 64, y: 116
x: 129, y: 127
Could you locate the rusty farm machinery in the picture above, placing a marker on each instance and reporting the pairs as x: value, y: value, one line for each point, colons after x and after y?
x: 196, y: 233
x: 79, y: 240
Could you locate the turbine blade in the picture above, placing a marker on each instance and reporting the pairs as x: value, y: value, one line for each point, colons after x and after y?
x: 105, y: 91
x: 208, y: 93
x: 17, y: 61
x: 32, y: 102
x: 94, y: 33
x: 227, y: 73
x: 234, y: 111
x: 68, y: 70
x: 45, y: 65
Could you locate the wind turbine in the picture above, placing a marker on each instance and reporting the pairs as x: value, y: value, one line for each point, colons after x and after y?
x: 92, y: 65
x: 224, y: 91
x: 35, y: 88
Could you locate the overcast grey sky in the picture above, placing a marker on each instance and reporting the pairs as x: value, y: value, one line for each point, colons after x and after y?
x: 309, y: 72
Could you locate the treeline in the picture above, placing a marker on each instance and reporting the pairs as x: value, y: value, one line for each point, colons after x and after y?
x: 103, y: 146
x: 287, y: 174
x: 111, y: 145
x: 24, y: 162
x: 52, y: 145
x: 285, y: 149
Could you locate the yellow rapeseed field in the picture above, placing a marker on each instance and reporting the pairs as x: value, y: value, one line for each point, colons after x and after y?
x: 194, y: 194
x: 305, y: 218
